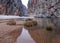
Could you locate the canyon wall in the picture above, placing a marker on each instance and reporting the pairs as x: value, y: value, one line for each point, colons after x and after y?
x: 12, y: 7
x: 44, y: 8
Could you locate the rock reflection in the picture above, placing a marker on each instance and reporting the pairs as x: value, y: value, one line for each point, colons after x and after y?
x: 39, y: 34
x: 25, y: 37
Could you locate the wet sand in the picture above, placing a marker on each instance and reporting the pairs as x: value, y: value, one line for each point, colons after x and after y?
x: 8, y: 33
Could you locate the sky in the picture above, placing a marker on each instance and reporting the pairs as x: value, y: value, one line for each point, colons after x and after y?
x: 25, y: 2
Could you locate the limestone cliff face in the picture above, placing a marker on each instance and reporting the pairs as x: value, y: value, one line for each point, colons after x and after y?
x: 44, y: 7
x: 12, y: 7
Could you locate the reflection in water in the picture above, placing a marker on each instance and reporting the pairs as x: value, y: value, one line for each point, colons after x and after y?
x: 25, y: 37
x: 55, y: 21
x: 42, y: 36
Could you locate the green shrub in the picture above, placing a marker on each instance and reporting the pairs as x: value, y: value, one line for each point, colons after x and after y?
x: 30, y: 23
x: 29, y: 19
x: 49, y: 28
x: 11, y: 22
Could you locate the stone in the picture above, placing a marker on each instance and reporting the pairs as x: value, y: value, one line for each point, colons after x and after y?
x: 41, y: 8
x: 11, y: 7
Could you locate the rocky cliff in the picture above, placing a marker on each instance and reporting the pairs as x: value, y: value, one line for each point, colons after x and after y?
x: 12, y: 7
x: 44, y: 8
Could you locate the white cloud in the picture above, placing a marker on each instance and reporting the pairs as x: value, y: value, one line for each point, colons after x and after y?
x: 25, y: 2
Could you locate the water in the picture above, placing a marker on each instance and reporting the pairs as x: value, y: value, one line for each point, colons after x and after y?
x: 55, y: 21
x: 25, y: 37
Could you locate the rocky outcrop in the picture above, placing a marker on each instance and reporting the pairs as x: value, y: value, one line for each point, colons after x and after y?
x: 44, y: 7
x: 12, y: 7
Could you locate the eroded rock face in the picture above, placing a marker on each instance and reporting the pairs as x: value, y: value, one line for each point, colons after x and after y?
x: 2, y: 9
x: 44, y: 7
x: 12, y: 7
